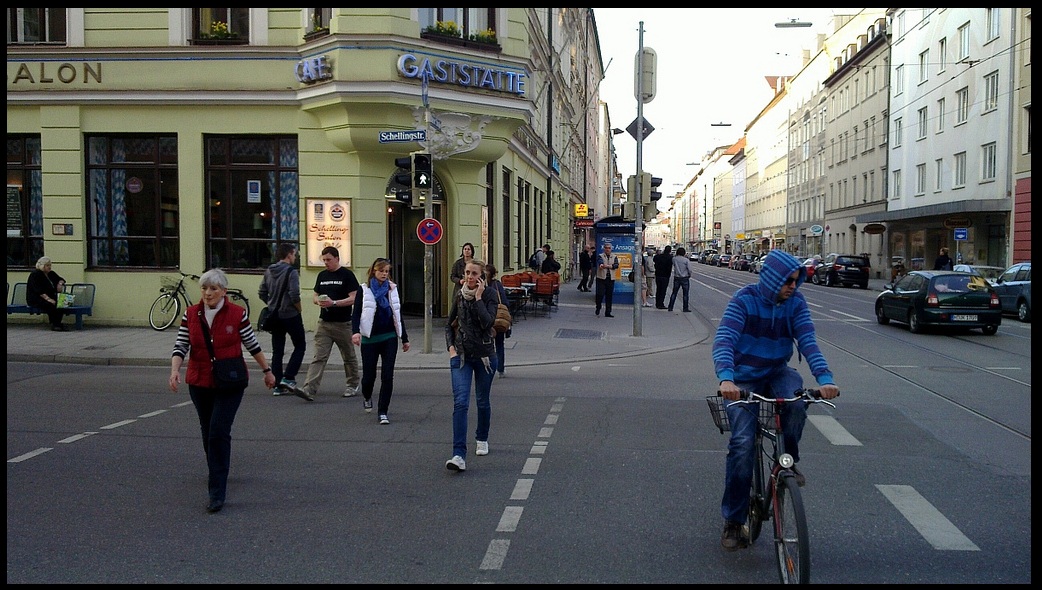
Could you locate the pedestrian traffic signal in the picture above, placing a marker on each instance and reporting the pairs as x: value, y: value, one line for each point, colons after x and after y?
x: 645, y: 188
x: 422, y: 171
x: 654, y: 184
x: 402, y: 184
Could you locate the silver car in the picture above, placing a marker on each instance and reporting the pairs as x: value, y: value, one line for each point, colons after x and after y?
x: 1014, y: 289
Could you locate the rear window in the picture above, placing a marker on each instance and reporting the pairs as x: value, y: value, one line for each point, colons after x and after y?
x: 958, y: 284
x: 852, y: 261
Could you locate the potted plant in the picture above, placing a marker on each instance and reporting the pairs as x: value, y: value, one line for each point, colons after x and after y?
x: 446, y: 28
x: 488, y: 37
x: 317, y: 30
x: 219, y: 33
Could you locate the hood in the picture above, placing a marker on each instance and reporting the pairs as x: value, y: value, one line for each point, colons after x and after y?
x: 776, y: 268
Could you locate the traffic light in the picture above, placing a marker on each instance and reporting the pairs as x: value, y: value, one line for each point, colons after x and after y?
x: 629, y: 211
x: 422, y: 171
x: 654, y: 184
x: 645, y: 188
x: 631, y: 188
x: 650, y: 212
x: 403, y: 179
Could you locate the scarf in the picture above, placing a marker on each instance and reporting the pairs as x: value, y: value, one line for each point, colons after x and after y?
x: 380, y: 291
x: 468, y: 293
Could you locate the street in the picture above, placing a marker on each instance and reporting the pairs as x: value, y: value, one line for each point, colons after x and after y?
x: 600, y: 471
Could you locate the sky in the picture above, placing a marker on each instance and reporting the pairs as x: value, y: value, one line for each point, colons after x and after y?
x: 712, y: 65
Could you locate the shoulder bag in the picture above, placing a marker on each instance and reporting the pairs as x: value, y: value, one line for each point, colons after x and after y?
x: 503, y: 320
x: 230, y: 373
x: 265, y: 321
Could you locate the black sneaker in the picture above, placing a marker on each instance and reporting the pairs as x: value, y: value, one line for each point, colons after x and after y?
x: 367, y: 405
x: 800, y: 479
x: 732, y: 538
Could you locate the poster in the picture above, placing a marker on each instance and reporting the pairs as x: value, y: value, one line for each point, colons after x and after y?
x: 328, y: 224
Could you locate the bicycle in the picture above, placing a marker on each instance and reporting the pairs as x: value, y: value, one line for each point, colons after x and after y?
x: 774, y: 493
x: 166, y: 309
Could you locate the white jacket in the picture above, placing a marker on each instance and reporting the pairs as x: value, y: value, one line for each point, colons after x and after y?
x: 365, y: 324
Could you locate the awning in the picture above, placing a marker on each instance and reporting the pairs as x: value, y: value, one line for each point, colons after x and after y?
x: 972, y: 206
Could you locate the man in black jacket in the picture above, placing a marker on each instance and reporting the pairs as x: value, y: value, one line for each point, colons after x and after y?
x: 586, y: 258
x: 663, y: 268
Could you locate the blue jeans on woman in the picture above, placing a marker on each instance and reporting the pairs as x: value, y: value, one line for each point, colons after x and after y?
x: 741, y: 455
x: 463, y: 372
x: 501, y: 352
x: 216, y: 409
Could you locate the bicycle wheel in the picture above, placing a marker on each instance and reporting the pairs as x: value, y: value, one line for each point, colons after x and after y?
x: 239, y: 299
x: 164, y: 312
x: 791, y: 541
x: 757, y: 512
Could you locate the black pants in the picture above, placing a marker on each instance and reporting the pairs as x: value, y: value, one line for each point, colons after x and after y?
x: 661, y: 286
x: 587, y: 279
x: 216, y: 409
x: 385, y: 351
x: 605, y: 292
x: 54, y: 314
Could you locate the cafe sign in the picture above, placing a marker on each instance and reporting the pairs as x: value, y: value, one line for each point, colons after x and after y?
x: 957, y: 221
x: 328, y: 224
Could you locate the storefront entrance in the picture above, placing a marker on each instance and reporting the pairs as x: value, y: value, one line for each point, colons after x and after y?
x: 406, y: 252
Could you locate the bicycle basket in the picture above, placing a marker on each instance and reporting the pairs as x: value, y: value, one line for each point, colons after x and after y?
x: 717, y: 409
x: 168, y: 282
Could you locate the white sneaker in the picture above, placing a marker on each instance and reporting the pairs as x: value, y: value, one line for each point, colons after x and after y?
x: 456, y: 463
x: 351, y: 391
x: 482, y: 447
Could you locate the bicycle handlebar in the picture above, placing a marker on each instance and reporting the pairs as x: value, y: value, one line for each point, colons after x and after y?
x: 812, y: 396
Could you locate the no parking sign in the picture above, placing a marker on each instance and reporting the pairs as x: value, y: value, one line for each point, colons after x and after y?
x: 429, y: 231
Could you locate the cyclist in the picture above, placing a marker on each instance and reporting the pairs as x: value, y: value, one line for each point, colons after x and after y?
x: 751, y: 351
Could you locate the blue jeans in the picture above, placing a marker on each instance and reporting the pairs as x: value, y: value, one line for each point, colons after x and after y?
x: 216, y: 409
x: 680, y: 283
x: 501, y: 352
x: 741, y: 455
x: 293, y: 326
x: 462, y: 375
x: 371, y: 352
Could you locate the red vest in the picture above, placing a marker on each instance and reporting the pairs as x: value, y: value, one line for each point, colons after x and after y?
x: 226, y: 341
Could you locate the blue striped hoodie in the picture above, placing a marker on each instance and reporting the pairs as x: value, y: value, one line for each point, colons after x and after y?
x: 756, y: 334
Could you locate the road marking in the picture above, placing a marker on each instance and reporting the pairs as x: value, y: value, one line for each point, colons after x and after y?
x: 545, y: 432
x: 900, y: 366
x: 1002, y: 368
x: 853, y: 317
x: 150, y: 414
x: 551, y: 419
x: 832, y: 430
x: 495, y: 554
x: 931, y: 524
x: 118, y: 424
x: 76, y: 437
x: 531, y: 466
x: 508, y: 522
x: 30, y: 455
x: 522, y: 489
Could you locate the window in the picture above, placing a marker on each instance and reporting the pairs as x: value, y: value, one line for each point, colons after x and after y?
x: 923, y: 122
x: 940, y: 115
x: 252, y: 184
x: 962, y: 110
x: 964, y: 42
x: 938, y: 173
x: 988, y: 162
x: 993, y: 23
x: 24, y: 201
x: 133, y: 211
x: 469, y: 21
x: 221, y: 26
x: 897, y: 184
x: 959, y: 176
x: 942, y: 54
x: 924, y: 63
x: 899, y: 80
x: 898, y: 129
x: 36, y: 25
x: 508, y: 226
x: 920, y: 179
x: 319, y: 20
x: 991, y: 91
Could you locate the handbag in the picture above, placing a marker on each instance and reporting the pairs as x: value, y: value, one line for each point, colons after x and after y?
x: 230, y: 373
x: 264, y: 321
x: 503, y: 320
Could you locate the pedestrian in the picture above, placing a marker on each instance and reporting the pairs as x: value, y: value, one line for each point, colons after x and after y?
x: 648, y: 264
x: 465, y: 256
x: 550, y: 264
x: 586, y: 258
x: 943, y: 262
x: 663, y: 268
x: 607, y: 264
x: 41, y: 291
x: 376, y: 327
x: 334, y: 292
x: 280, y: 290
x: 491, y: 274
x: 228, y: 326
x: 535, y: 262
x: 751, y: 350
x: 681, y: 279
x: 472, y: 358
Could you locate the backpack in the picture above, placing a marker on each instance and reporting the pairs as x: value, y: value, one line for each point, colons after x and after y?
x: 532, y: 262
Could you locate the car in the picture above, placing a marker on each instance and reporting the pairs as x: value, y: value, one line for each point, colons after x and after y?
x: 757, y: 264
x: 811, y: 264
x: 705, y: 256
x: 990, y: 273
x: 742, y: 261
x: 925, y: 298
x: 844, y: 269
x: 723, y: 260
x: 1014, y: 289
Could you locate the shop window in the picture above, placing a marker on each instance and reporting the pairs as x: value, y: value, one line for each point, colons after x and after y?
x: 220, y: 26
x: 36, y: 26
x: 133, y: 207
x: 24, y: 201
x: 253, y: 196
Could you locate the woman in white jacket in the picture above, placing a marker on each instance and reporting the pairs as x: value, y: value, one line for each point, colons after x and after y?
x: 376, y: 327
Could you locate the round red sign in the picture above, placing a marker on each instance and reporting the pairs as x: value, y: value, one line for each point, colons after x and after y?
x: 429, y: 231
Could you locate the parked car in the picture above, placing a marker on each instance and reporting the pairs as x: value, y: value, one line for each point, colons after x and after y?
x: 844, y: 269
x: 757, y: 264
x: 1014, y: 289
x: 705, y: 256
x: 723, y: 260
x: 812, y: 264
x: 940, y: 298
x: 742, y: 261
x: 989, y: 273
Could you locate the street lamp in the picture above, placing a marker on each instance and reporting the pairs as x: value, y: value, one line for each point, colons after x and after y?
x: 793, y: 23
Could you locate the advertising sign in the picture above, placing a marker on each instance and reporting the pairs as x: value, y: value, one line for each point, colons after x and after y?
x: 328, y: 224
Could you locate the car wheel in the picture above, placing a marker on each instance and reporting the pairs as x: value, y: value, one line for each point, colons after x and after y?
x: 1023, y: 312
x: 990, y: 329
x: 828, y: 280
x: 913, y: 323
x: 880, y: 316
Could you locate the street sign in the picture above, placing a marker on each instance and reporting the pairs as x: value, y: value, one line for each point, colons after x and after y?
x: 962, y: 233
x: 403, y: 136
x: 645, y: 130
x: 429, y: 231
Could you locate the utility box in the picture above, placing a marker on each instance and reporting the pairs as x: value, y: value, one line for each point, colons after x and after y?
x: 619, y: 233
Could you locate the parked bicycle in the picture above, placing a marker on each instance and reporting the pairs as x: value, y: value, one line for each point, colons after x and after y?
x: 167, y: 308
x: 774, y: 493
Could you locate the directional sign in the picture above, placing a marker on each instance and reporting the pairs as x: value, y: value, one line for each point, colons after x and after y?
x: 645, y: 130
x: 962, y: 233
x: 403, y: 136
x: 429, y: 231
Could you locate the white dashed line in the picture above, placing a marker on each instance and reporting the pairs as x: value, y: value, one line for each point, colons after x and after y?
x: 531, y: 466
x: 551, y: 419
x: 508, y: 522
x: 832, y: 430
x: 118, y: 424
x: 931, y: 524
x: 522, y: 489
x: 150, y: 414
x: 77, y: 437
x: 545, y: 432
x: 496, y: 553
x: 30, y: 455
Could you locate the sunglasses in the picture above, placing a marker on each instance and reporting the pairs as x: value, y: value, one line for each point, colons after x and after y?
x: 791, y: 281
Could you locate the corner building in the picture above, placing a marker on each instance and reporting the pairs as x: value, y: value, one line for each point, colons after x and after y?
x: 142, y: 141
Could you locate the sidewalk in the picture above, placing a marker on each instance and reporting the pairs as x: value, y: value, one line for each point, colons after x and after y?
x: 569, y: 333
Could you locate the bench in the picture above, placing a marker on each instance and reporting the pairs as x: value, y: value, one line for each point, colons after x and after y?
x: 83, y: 302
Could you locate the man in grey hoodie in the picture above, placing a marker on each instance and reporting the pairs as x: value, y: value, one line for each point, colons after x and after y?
x: 280, y: 290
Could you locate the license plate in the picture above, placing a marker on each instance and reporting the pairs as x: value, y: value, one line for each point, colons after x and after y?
x: 964, y: 318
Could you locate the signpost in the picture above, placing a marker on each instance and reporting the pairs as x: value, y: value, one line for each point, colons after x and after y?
x: 961, y: 233
x: 403, y: 136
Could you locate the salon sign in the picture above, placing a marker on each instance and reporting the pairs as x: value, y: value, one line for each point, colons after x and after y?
x: 328, y: 224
